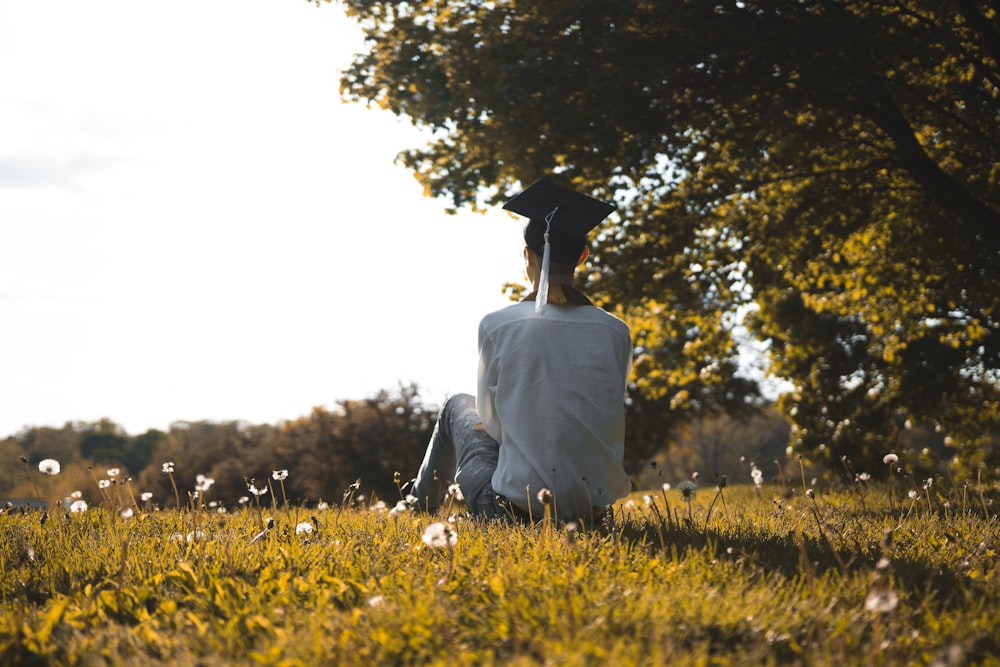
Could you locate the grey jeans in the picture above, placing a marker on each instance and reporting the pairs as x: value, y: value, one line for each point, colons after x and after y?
x: 460, y: 450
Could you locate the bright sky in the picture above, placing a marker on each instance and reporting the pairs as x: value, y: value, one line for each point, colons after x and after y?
x: 194, y: 226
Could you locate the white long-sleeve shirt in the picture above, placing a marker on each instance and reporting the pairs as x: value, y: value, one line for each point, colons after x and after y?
x: 552, y: 392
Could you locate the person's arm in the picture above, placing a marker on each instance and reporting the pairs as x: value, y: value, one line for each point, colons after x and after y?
x: 486, y: 386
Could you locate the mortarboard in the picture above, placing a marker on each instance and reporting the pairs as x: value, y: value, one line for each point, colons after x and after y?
x: 558, y: 222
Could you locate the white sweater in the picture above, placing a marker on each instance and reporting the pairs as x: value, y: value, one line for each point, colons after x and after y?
x: 551, y: 392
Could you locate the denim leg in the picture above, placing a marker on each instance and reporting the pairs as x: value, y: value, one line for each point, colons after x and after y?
x: 462, y: 450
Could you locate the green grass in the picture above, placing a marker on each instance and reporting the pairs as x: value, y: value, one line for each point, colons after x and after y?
x: 766, y: 581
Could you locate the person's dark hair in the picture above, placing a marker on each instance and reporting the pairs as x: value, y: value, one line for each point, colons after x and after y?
x: 565, y: 248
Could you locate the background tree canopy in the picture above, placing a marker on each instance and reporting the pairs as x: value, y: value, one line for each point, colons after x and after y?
x: 831, y: 167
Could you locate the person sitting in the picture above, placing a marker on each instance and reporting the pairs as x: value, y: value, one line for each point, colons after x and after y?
x: 546, y: 429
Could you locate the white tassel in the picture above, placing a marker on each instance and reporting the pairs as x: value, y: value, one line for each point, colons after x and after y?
x: 543, y: 279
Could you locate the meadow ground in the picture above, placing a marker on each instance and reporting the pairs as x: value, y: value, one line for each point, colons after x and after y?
x: 749, y: 574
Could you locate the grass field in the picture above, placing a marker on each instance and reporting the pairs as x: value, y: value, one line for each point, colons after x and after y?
x: 733, y: 576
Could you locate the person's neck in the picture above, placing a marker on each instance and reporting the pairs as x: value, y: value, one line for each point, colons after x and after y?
x: 555, y: 279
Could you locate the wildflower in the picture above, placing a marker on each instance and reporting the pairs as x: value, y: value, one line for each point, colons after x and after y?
x: 280, y: 475
x: 78, y: 506
x: 114, y: 472
x: 889, y: 459
x: 49, y: 466
x: 570, y: 531
x: 168, y: 467
x: 687, y: 489
x: 304, y: 528
x: 439, y: 535
x: 146, y: 497
x: 401, y: 507
x: 881, y: 601
x: 913, y: 495
x: 203, y: 483
x: 104, y: 483
x: 545, y: 496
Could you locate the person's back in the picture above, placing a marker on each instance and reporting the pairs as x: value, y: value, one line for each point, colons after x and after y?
x: 551, y: 392
x: 550, y: 408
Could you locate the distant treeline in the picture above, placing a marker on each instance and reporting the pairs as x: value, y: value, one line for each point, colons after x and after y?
x: 324, y: 453
x: 370, y: 440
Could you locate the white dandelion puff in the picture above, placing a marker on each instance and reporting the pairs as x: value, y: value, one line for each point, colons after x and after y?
x: 439, y: 535
x: 49, y: 467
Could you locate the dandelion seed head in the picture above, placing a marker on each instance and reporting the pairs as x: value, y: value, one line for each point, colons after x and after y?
x: 411, y: 499
x: 810, y: 494
x: 439, y: 535
x: 545, y: 496
x: 929, y: 482
x: 127, y: 513
x: 666, y: 486
x: 255, y: 491
x: 203, y: 483
x: 401, y: 507
x: 881, y: 601
x: 49, y: 467
x: 114, y: 472
x: 168, y: 467
x: 322, y: 506
x: 304, y: 528
x: 912, y: 495
x: 688, y: 489
x: 889, y: 459
x: 146, y: 497
x: 455, y: 491
x: 103, y: 483
x: 76, y: 494
x: 280, y: 475
x: 78, y: 506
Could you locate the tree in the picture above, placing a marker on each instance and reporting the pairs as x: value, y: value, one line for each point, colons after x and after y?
x: 831, y: 165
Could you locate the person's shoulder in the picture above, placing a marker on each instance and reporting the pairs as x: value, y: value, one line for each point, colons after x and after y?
x: 601, y: 315
x: 497, y: 318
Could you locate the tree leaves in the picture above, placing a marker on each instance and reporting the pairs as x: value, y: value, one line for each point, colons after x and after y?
x: 834, y: 162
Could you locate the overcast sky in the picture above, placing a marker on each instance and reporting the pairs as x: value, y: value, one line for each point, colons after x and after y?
x: 194, y: 226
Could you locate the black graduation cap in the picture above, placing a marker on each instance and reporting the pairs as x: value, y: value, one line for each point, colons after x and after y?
x: 571, y: 215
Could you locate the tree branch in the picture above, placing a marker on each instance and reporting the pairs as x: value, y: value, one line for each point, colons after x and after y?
x: 943, y: 189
